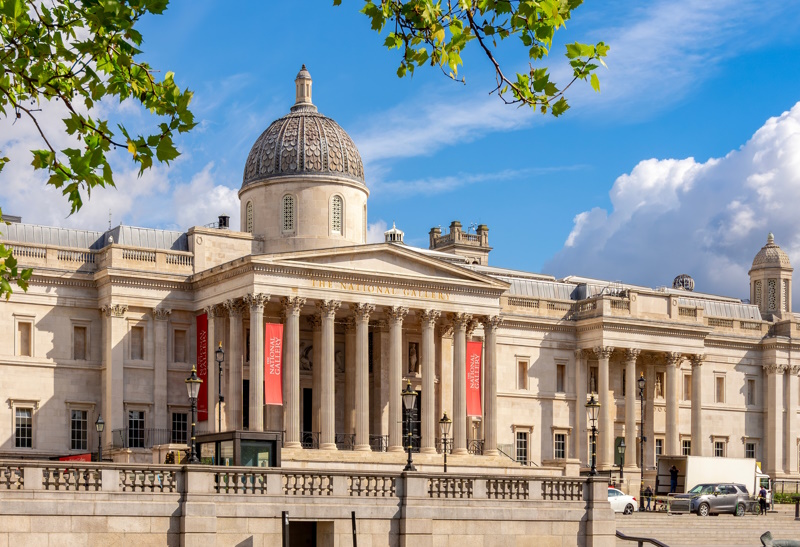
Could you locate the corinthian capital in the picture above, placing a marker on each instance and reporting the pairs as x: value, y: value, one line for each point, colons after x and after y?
x: 491, y: 322
x: 396, y: 314
x: 429, y: 317
x: 603, y: 352
x: 328, y: 307
x: 631, y: 354
x: 211, y: 311
x: 256, y: 301
x: 697, y: 359
x: 292, y: 304
x: 674, y: 358
x: 361, y: 312
x: 161, y: 314
x: 114, y: 310
x: 234, y: 307
x: 460, y: 320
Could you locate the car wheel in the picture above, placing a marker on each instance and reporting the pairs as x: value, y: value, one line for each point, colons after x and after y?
x: 628, y: 510
x: 702, y: 511
x: 740, y: 510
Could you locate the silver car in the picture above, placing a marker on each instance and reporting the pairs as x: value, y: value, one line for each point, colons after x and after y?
x: 715, y: 498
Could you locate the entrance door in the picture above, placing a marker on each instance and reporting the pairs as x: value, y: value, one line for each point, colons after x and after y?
x: 306, y: 435
x: 302, y: 534
x: 246, y: 404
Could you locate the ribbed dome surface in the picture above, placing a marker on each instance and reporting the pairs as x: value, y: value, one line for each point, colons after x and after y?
x: 303, y: 142
x: 771, y: 255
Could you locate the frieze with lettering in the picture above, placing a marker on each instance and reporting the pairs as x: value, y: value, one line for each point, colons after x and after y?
x: 370, y: 288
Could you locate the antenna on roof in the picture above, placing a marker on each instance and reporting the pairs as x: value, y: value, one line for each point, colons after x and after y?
x: 473, y: 226
x: 109, y: 218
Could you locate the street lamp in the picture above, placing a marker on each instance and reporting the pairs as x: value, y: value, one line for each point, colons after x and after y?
x: 621, y: 452
x: 193, y: 389
x: 220, y: 356
x: 99, y: 426
x: 409, y: 395
x: 642, y: 439
x: 593, y: 406
x: 444, y: 427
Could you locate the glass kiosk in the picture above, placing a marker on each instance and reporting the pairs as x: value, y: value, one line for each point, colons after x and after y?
x: 240, y: 448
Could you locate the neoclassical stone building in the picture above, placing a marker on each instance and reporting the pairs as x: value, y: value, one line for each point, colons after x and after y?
x: 109, y: 326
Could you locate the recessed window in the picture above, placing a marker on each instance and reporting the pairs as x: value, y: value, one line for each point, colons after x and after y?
x: 249, y: 217
x: 79, y: 339
x: 79, y: 430
x: 785, y: 295
x: 179, y: 428
x: 560, y: 446
x: 24, y: 330
x: 719, y: 449
x: 772, y: 297
x: 659, y: 447
x: 522, y: 374
x: 23, y: 428
x: 560, y: 378
x: 750, y: 450
x: 687, y: 387
x: 179, y: 346
x: 136, y: 428
x: 336, y: 214
x: 288, y: 214
x: 522, y: 446
x: 137, y: 343
x: 686, y: 447
x: 750, y: 391
x: 719, y: 389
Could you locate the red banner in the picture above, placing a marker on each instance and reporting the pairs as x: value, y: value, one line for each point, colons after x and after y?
x: 474, y: 378
x: 76, y: 458
x: 202, y: 367
x: 273, y: 364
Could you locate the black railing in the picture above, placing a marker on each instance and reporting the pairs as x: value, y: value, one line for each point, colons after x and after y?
x: 379, y: 443
x: 309, y: 439
x: 475, y: 447
x: 345, y: 441
x: 439, y: 446
x: 146, y: 438
x: 640, y: 540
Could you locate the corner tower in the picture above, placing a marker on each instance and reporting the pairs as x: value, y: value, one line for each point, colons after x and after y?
x: 771, y: 280
x: 303, y: 186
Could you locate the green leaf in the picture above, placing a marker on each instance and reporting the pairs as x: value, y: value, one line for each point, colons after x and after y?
x: 595, y: 81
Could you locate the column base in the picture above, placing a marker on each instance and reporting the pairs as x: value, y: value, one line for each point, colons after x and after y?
x: 328, y: 446
x: 460, y: 452
x: 492, y: 452
x: 395, y: 449
x: 362, y: 448
x: 427, y: 450
x: 292, y: 444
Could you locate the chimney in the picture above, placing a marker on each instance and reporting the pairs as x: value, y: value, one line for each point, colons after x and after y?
x: 223, y: 222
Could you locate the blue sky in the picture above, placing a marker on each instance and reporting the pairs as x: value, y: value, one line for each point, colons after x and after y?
x: 592, y: 193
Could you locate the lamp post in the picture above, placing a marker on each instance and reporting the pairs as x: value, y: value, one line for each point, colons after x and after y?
x: 444, y: 427
x: 621, y: 452
x: 409, y: 395
x: 593, y: 406
x: 220, y: 356
x: 193, y: 389
x: 99, y: 426
x: 642, y: 439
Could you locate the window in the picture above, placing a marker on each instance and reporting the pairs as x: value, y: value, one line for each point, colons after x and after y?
x: 179, y: 428
x: 288, y: 214
x: 719, y: 449
x: 750, y: 450
x: 560, y: 446
x: 560, y: 374
x: 246, y: 345
x: 79, y: 340
x: 79, y: 430
x: 785, y: 295
x: 659, y: 447
x: 750, y: 391
x: 179, y: 346
x: 336, y: 214
x: 719, y: 389
x: 137, y: 343
x: 771, y: 296
x: 522, y: 374
x: 249, y: 217
x: 364, y: 237
x: 522, y: 446
x: 23, y: 428
x: 757, y: 295
x: 687, y: 387
x: 24, y: 330
x: 686, y: 447
x: 136, y: 429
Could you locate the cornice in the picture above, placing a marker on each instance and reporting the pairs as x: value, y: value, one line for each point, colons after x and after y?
x: 666, y: 330
x: 510, y: 323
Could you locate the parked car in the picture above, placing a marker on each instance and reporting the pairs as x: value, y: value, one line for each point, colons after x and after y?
x: 713, y: 499
x: 622, y: 503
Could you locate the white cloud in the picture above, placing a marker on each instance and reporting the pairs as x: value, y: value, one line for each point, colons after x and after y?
x: 375, y: 231
x: 201, y: 201
x: 705, y: 219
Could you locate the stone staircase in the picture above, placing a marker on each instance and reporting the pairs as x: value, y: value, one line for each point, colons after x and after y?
x: 685, y: 530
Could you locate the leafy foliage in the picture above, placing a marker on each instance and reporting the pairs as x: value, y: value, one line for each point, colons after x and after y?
x: 436, y: 32
x: 78, y: 53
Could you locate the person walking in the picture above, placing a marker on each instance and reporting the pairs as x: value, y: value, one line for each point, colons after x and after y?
x: 762, y: 501
x: 673, y: 479
x: 648, y: 494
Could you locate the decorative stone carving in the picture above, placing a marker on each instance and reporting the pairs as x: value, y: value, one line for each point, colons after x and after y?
x: 161, y: 314
x: 471, y: 326
x: 773, y: 368
x: 460, y: 320
x: 350, y: 325
x: 446, y: 330
x: 361, y: 312
x: 429, y: 317
x: 381, y: 325
x: 292, y: 304
x: 314, y: 321
x: 256, y: 301
x: 306, y: 356
x: 631, y: 354
x: 114, y: 310
x: 328, y: 307
x: 211, y: 311
x: 697, y: 359
x: 491, y: 321
x: 234, y: 307
x: 674, y: 358
x: 603, y: 352
x: 396, y: 314
x: 793, y: 369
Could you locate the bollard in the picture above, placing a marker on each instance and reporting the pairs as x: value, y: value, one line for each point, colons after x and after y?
x: 797, y: 509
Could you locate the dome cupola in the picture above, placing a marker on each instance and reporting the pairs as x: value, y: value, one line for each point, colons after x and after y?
x: 771, y: 279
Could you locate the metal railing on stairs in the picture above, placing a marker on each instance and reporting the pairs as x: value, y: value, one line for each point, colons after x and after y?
x: 641, y: 540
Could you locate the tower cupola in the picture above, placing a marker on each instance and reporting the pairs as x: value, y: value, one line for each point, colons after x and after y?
x: 771, y: 280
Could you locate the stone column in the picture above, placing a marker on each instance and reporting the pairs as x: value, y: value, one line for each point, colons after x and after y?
x: 361, y: 379
x: 649, y: 410
x: 327, y: 415
x: 630, y: 407
x: 490, y: 326
x: 673, y: 367
x: 161, y: 324
x: 233, y: 399
x: 114, y: 331
x: 699, y: 441
x: 444, y: 357
x: 790, y: 465
x: 291, y: 370
x: 350, y: 375
x: 605, y: 425
x: 396, y: 315
x: 773, y: 442
x: 256, y: 301
x: 315, y: 323
x: 460, y: 321
x: 578, y: 443
x: 428, y: 319
x: 213, y: 371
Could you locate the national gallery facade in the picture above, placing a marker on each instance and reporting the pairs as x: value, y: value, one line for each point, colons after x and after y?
x: 114, y: 321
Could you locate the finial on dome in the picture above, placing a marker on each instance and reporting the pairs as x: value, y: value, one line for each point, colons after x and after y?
x: 770, y: 239
x: 303, y: 87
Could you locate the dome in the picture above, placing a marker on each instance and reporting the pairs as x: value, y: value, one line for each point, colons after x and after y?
x: 771, y: 256
x: 683, y: 281
x: 304, y: 142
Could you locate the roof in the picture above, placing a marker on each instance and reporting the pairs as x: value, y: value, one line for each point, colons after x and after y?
x: 148, y: 238
x: 716, y: 308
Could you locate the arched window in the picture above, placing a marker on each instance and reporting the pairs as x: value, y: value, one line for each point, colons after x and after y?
x: 249, y: 217
x: 336, y: 214
x: 288, y: 214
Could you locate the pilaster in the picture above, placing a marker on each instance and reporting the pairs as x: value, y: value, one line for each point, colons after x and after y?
x: 672, y: 439
x: 396, y: 314
x: 699, y: 444
x: 161, y: 327
x: 605, y: 449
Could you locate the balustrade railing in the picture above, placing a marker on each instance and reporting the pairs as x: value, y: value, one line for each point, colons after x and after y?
x: 450, y: 487
x: 307, y: 484
x: 11, y: 478
x: 58, y: 477
x: 562, y: 489
x: 241, y: 482
x: 372, y: 486
x: 508, y: 489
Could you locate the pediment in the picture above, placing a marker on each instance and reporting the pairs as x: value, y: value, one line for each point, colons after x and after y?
x: 385, y: 261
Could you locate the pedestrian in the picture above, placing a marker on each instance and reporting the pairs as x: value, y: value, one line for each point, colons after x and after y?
x: 762, y: 501
x: 673, y: 479
x: 648, y: 494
